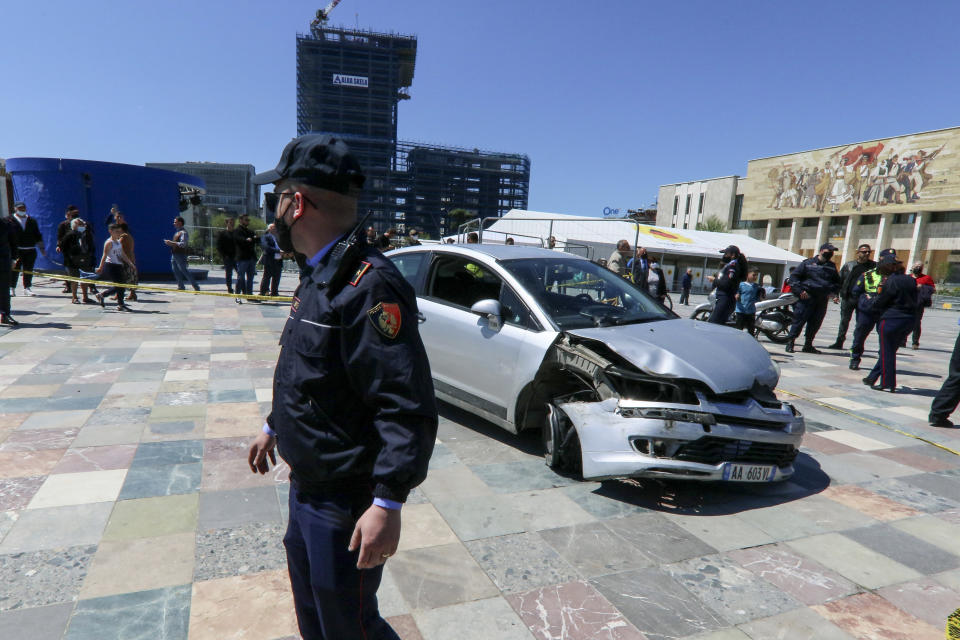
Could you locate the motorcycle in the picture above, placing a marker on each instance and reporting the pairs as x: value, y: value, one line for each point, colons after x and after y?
x: 774, y: 315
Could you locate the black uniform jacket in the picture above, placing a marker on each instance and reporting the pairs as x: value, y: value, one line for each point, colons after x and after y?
x: 8, y: 238
x: 816, y: 278
x: 729, y: 280
x: 353, y: 399
x: 896, y: 298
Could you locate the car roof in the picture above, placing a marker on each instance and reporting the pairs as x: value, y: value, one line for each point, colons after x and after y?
x: 495, y: 251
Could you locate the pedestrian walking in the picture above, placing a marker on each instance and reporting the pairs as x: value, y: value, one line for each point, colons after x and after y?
x: 178, y: 255
x: 948, y: 397
x: 227, y: 249
x: 895, y: 310
x: 8, y: 249
x: 639, y: 268
x: 77, y: 247
x: 245, y: 241
x: 618, y: 260
x: 29, y: 242
x: 686, y: 283
x: 748, y: 292
x: 129, y: 273
x: 813, y: 282
x: 727, y: 283
x: 353, y: 411
x: 849, y: 275
x: 926, y: 287
x: 272, y: 262
x: 111, y: 266
x: 71, y: 214
x: 657, y: 282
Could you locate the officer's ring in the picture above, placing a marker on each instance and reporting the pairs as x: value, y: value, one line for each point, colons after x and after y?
x: 385, y: 555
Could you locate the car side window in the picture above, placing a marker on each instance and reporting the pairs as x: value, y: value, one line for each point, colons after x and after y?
x: 408, y: 264
x: 514, y: 311
x: 462, y: 282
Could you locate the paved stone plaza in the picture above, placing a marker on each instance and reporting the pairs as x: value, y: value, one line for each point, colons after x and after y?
x: 127, y: 509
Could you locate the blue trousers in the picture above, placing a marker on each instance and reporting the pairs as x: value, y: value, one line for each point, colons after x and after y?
x: 892, y: 332
x: 245, y: 271
x: 865, y: 324
x: 722, y: 310
x: 333, y: 599
x: 178, y: 264
x: 228, y: 268
x: 808, y: 312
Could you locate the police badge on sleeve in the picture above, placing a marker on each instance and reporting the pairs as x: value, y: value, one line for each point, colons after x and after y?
x: 386, y: 318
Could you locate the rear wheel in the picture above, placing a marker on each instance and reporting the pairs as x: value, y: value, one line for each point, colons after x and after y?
x: 703, y: 314
x: 561, y: 446
x: 780, y: 336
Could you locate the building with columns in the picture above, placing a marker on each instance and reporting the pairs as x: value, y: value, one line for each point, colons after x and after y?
x: 901, y: 192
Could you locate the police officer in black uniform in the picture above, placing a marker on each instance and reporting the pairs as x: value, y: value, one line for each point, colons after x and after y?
x: 8, y: 249
x: 813, y: 282
x: 727, y: 283
x: 849, y: 275
x: 353, y: 412
x: 895, y: 310
x: 864, y: 291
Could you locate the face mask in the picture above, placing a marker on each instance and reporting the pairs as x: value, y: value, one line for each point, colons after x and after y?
x: 828, y: 255
x: 284, y: 241
x: 20, y: 214
x: 81, y: 229
x: 918, y: 271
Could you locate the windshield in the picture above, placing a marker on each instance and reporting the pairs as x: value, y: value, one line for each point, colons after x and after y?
x: 578, y: 293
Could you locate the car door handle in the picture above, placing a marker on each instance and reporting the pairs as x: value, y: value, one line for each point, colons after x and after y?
x: 421, y: 318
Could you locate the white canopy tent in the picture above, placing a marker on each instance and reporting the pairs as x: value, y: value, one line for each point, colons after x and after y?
x: 676, y: 249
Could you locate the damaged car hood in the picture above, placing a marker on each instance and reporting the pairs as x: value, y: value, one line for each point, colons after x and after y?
x: 725, y: 359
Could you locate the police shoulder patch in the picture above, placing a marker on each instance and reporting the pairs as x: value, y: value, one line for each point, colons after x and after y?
x: 386, y: 318
x: 295, y: 305
x: 364, y: 267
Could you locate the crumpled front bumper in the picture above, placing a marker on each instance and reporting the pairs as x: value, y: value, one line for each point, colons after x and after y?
x: 697, y: 441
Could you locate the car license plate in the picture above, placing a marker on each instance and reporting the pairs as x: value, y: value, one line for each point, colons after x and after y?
x: 748, y: 472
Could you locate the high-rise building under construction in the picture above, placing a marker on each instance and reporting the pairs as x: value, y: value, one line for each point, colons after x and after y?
x: 349, y: 83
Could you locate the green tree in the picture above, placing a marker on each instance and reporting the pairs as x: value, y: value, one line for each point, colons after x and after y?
x: 455, y: 218
x: 713, y: 224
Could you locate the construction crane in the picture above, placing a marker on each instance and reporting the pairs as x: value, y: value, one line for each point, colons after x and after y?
x: 322, y: 15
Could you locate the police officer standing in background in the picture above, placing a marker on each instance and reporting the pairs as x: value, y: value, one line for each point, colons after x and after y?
x: 864, y: 291
x: 895, y: 310
x: 353, y: 411
x: 8, y: 248
x: 813, y: 282
x: 727, y: 283
x: 849, y: 275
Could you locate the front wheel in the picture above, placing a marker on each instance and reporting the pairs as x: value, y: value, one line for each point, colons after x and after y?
x: 703, y: 314
x: 561, y: 446
x: 781, y: 335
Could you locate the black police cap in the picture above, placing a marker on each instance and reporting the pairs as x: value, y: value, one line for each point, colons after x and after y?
x: 319, y: 160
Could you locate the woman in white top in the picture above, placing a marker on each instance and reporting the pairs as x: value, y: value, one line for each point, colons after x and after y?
x: 111, y: 266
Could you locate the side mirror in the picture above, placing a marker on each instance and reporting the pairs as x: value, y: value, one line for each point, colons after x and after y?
x: 492, y: 310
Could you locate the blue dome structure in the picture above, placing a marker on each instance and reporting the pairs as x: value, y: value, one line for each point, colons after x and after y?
x: 149, y: 198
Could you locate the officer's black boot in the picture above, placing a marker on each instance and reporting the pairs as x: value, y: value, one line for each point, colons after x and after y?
x: 789, y: 348
x: 809, y: 348
x: 836, y: 345
x: 854, y: 364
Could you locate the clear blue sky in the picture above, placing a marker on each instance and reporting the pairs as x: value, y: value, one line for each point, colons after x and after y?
x: 609, y: 99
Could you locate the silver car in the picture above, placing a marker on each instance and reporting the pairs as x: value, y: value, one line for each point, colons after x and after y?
x: 618, y: 385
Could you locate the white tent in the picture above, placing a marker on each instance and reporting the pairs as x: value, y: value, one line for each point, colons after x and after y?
x: 596, y: 238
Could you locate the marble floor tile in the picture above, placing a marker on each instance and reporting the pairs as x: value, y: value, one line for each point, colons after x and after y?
x: 124, y: 566
x: 807, y: 581
x: 118, y: 416
x: 521, y: 562
x: 422, y: 527
x: 404, y: 626
x: 723, y: 532
x: 904, y: 548
x: 38, y: 578
x: 108, y: 458
x: 149, y: 517
x: 801, y: 623
x: 232, y: 395
x: 825, y: 445
x: 730, y: 633
x: 247, y: 607
x: 127, y: 387
x: 186, y: 375
x: 873, y: 464
x: 159, y: 614
x: 153, y: 454
x: 855, y: 440
x: 146, y: 482
x: 594, y: 550
x: 454, y: 483
x: 235, y: 474
x: 10, y: 420
x: 87, y: 487
x: 829, y: 514
x: 846, y: 403
x: 30, y: 390
x: 939, y: 484
x: 235, y: 507
x: 866, y: 615
x: 656, y: 604
x: 592, y: 498
x: 574, y: 610
x: 933, y: 530
x: 925, y: 599
x: 179, y: 398
x: 108, y: 434
x: 853, y: 561
x: 900, y: 490
x: 480, y: 516
x: 36, y: 623
x: 916, y: 457
x: 161, y: 413
x: 16, y: 493
x: 20, y: 464
x: 233, y: 419
x: 485, y: 451
x: 56, y: 419
x: 547, y: 509
x: 249, y: 548
x: 730, y: 590
x: 872, y: 504
x: 389, y: 599
x: 522, y: 475
x: 439, y: 576
x: 490, y: 619
x: 38, y: 440
x: 659, y: 539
